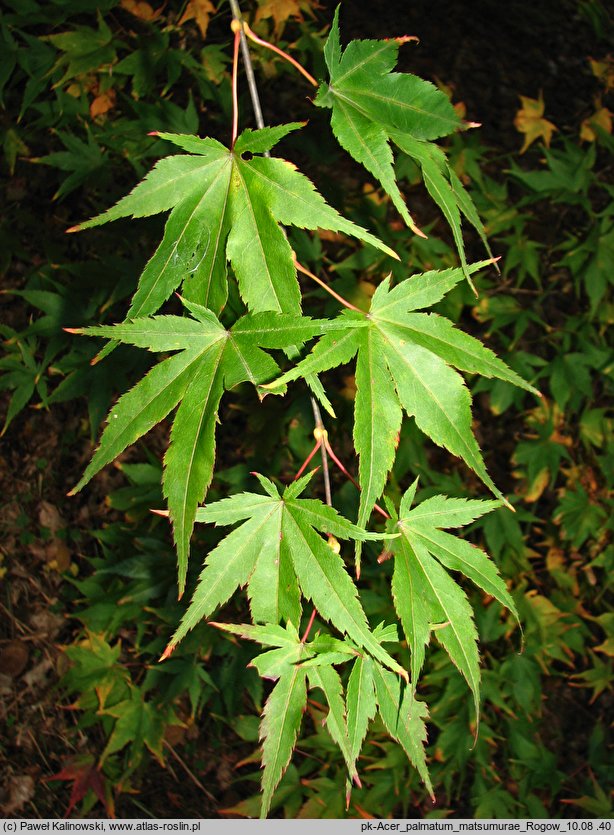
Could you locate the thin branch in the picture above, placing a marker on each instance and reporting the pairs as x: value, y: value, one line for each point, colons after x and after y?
x: 331, y: 452
x: 253, y: 92
x: 309, y: 625
x: 249, y: 70
x: 319, y: 431
x: 190, y: 774
x: 305, y: 463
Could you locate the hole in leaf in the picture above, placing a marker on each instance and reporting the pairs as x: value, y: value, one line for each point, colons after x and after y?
x: 247, y: 155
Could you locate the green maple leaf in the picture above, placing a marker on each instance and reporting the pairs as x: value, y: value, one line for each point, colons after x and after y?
x: 278, y: 553
x: 370, y: 688
x: 371, y: 106
x: 405, y: 719
x: 288, y: 649
x: 317, y: 660
x: 84, y: 49
x: 284, y: 708
x: 227, y: 205
x: 426, y: 598
x: 95, y: 668
x: 140, y: 723
x: 404, y: 363
x: 209, y: 360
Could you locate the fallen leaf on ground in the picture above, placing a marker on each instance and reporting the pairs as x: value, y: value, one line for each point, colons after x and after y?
x: 46, y: 624
x: 603, y: 70
x: 57, y: 555
x: 140, y: 9
x: 281, y: 11
x: 200, y: 11
x: 50, y: 517
x: 102, y: 104
x: 84, y: 776
x: 530, y: 121
x: 37, y: 675
x: 601, y: 118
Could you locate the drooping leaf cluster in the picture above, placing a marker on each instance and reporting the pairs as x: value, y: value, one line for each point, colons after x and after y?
x: 228, y: 206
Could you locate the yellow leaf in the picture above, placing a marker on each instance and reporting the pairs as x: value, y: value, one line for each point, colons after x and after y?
x: 530, y: 121
x: 607, y: 647
x: 102, y: 104
x: 200, y: 11
x: 281, y: 11
x: 537, y: 486
x: 604, y: 71
x: 140, y: 9
x: 601, y: 118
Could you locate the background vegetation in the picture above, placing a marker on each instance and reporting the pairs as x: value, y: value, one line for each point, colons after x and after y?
x: 88, y: 595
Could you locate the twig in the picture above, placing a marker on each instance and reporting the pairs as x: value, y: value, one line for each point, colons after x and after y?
x: 309, y: 625
x: 190, y: 774
x: 331, y: 452
x: 319, y: 432
x: 249, y: 70
x: 255, y: 98
x: 253, y: 92
x: 305, y: 463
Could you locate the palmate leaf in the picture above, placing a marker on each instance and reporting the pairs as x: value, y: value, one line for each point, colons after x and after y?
x: 282, y: 533
x: 372, y: 105
x: 210, y: 359
x: 226, y: 205
x: 426, y: 598
x: 289, y: 649
x: 404, y: 363
x: 404, y: 717
x: 284, y: 708
x: 140, y: 724
x: 370, y: 688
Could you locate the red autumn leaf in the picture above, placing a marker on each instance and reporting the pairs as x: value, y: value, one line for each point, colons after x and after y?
x: 84, y: 775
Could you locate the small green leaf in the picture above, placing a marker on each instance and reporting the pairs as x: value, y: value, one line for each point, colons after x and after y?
x: 273, y: 549
x: 371, y: 106
x: 426, y: 598
x: 227, y: 567
x: 403, y: 364
x: 227, y: 208
x: 140, y: 724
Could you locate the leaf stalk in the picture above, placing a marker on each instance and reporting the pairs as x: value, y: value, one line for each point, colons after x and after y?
x: 328, y: 289
x: 235, y: 73
x: 254, y: 37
